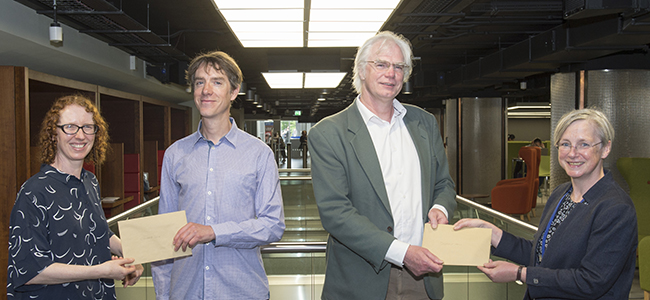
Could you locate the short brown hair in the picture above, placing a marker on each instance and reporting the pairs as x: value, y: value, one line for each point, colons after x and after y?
x: 48, y: 130
x: 220, y: 61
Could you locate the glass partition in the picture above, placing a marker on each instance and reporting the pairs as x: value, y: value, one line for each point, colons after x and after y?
x: 296, y: 265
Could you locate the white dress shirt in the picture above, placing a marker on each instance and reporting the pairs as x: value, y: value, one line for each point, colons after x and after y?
x: 400, y: 168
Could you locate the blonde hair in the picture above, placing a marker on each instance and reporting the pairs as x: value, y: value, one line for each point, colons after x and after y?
x: 595, y: 117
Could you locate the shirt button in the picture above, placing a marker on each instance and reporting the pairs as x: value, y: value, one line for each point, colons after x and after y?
x: 209, y: 218
x: 209, y: 193
x: 211, y: 169
x: 535, y: 281
x: 207, y: 268
x: 389, y: 228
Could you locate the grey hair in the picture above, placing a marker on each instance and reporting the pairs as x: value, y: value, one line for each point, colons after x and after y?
x: 363, y: 54
x: 595, y: 117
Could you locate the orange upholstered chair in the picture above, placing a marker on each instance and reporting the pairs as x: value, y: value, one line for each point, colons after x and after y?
x: 515, y: 196
x: 536, y: 190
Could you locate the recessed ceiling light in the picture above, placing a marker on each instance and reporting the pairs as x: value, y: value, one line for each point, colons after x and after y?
x: 263, y: 23
x: 307, y: 80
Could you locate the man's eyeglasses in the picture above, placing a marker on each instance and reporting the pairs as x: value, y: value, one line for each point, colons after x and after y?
x: 580, y: 147
x: 383, y: 66
x: 89, y: 129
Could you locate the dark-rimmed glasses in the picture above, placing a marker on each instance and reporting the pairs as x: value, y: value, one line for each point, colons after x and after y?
x: 88, y: 129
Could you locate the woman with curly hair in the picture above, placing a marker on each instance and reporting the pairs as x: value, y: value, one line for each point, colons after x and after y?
x: 60, y: 245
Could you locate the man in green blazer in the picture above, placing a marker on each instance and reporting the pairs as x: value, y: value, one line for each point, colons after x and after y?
x: 380, y: 173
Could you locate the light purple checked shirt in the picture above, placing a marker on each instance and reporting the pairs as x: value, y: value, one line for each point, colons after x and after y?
x: 234, y: 187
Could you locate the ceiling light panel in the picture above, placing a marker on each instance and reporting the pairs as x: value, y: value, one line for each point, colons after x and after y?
x: 344, y: 26
x: 346, y: 23
x: 262, y: 23
x: 323, y: 80
x: 277, y: 80
x: 260, y: 15
x: 332, y: 23
x: 354, y: 3
x: 299, y: 80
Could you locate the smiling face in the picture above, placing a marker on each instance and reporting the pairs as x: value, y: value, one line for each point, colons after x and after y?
x: 379, y: 85
x: 212, y: 92
x: 71, y: 149
x: 584, y: 166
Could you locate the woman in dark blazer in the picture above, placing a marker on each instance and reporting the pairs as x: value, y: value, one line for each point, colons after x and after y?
x: 585, y: 247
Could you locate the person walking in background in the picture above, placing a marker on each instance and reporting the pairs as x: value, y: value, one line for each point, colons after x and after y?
x: 280, y: 146
x: 227, y: 182
x: 60, y: 245
x: 380, y: 173
x: 585, y: 245
x: 303, y: 142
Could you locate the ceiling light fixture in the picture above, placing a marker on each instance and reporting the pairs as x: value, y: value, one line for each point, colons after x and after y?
x: 56, y: 32
x: 307, y: 80
x: 263, y: 23
x: 242, y: 89
x: 407, y: 88
x: 284, y: 80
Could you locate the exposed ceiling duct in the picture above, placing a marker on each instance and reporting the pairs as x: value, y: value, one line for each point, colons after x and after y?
x: 464, y: 48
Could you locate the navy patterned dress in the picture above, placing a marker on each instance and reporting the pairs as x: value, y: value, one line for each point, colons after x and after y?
x: 58, y: 218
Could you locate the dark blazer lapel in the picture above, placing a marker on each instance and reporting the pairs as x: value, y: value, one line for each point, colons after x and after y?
x: 361, y: 143
x: 421, y: 140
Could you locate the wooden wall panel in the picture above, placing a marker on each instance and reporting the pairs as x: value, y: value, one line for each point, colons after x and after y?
x: 12, y: 116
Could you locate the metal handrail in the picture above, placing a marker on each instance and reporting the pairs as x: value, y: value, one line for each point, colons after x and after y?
x: 295, y: 247
x: 318, y: 247
x: 137, y: 209
x: 297, y: 170
x: 304, y: 170
x: 497, y: 214
x: 295, y: 177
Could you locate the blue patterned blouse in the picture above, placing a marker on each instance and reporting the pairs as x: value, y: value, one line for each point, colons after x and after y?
x: 58, y: 218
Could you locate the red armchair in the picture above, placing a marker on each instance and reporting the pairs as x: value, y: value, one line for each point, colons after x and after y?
x: 516, y: 196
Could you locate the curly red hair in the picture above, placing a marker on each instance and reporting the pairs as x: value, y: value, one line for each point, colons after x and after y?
x: 48, y: 130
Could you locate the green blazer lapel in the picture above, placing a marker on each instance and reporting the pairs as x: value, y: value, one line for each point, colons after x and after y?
x: 361, y: 143
x: 422, y: 144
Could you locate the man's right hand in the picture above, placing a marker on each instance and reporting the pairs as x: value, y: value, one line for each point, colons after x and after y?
x: 192, y: 234
x: 420, y: 261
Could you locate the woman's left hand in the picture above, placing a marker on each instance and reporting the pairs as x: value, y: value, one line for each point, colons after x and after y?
x: 500, y: 271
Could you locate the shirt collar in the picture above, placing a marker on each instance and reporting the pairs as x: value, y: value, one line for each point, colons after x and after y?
x: 399, y: 111
x: 61, y: 176
x: 230, y: 137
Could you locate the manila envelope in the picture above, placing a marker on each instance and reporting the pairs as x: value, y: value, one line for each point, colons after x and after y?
x: 151, y: 238
x: 464, y: 247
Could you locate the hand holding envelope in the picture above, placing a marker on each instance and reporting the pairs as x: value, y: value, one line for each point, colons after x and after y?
x: 151, y: 238
x: 464, y: 247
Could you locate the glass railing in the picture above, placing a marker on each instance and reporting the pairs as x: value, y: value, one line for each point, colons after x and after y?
x: 296, y: 265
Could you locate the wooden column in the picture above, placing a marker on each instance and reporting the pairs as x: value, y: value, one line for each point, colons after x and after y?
x: 14, y: 129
